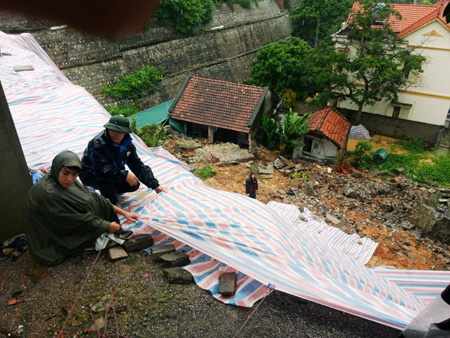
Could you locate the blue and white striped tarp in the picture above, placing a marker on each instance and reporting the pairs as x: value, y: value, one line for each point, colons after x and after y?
x: 359, y: 132
x: 274, y: 244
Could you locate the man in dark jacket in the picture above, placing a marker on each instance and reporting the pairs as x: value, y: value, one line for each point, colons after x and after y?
x: 105, y: 158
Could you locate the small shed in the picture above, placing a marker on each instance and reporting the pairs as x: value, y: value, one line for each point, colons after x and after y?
x: 222, y: 111
x: 327, y: 138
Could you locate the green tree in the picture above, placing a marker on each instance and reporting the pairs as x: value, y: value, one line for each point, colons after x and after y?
x: 316, y: 20
x: 378, y: 62
x: 285, y: 64
x: 185, y: 15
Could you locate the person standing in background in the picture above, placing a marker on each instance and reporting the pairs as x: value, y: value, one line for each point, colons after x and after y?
x: 251, y: 185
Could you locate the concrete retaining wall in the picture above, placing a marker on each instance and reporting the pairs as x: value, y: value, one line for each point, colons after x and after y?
x: 223, y: 49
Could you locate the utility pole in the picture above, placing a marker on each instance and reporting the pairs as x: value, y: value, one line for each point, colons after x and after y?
x: 14, y: 175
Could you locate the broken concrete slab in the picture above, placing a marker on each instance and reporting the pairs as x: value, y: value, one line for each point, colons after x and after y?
x: 278, y: 163
x: 228, y: 284
x: 23, y: 68
x: 175, y: 259
x: 334, y: 221
x: 117, y: 253
x: 177, y: 275
x: 161, y: 250
x: 268, y: 170
x: 138, y: 242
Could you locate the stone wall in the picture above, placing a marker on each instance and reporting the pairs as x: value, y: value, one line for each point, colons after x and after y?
x: 223, y: 49
x: 397, y: 128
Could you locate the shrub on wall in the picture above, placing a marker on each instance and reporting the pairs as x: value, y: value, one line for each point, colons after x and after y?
x: 184, y: 15
x: 243, y: 3
x: 144, y: 80
x: 126, y: 110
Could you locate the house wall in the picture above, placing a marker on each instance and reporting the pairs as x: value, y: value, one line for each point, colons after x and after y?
x: 429, y: 92
x: 322, y: 148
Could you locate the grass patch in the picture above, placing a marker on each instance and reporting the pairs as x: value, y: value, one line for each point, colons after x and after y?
x: 205, y: 172
x: 438, y: 172
x: 419, y: 164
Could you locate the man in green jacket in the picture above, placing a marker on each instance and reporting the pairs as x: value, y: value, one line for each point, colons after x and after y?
x: 63, y: 216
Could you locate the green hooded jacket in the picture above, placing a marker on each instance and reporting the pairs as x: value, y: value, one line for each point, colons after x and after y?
x: 63, y: 221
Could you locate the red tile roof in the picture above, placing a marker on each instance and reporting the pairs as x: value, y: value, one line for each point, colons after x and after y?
x: 218, y: 103
x: 331, y: 124
x: 412, y: 16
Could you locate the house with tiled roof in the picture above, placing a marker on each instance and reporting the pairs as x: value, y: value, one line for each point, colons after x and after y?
x: 422, y: 108
x: 222, y: 111
x: 327, y: 137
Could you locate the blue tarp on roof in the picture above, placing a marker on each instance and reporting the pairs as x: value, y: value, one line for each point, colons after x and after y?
x: 154, y: 115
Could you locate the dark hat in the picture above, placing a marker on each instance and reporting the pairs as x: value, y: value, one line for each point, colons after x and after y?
x: 118, y: 123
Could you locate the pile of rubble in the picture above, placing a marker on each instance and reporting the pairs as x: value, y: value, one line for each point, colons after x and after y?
x: 409, y: 220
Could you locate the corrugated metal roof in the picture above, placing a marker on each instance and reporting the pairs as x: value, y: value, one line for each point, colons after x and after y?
x: 154, y: 115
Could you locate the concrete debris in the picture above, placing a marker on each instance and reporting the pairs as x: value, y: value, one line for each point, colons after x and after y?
x: 161, y: 250
x: 175, y: 259
x: 117, y: 253
x: 177, y: 275
x: 228, y: 284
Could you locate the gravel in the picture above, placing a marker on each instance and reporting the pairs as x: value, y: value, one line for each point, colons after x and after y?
x: 148, y: 306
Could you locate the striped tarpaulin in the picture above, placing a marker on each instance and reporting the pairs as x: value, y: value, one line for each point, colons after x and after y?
x: 359, y: 132
x: 273, y: 244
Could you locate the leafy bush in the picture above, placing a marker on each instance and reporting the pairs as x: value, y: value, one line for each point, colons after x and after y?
x: 135, y: 84
x: 126, y: 110
x: 362, y: 156
x: 152, y: 135
x: 292, y: 128
x: 184, y: 15
x: 272, y: 139
x: 416, y: 145
x: 243, y: 3
x: 300, y: 174
x: 205, y: 172
x: 283, y: 136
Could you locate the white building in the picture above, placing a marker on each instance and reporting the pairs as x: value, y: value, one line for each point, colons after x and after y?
x: 427, y: 98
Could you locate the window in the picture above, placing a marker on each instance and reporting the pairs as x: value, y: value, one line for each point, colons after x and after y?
x: 396, y: 112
